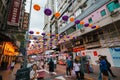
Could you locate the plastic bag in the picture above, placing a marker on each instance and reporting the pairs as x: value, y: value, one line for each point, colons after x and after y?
x: 73, y: 73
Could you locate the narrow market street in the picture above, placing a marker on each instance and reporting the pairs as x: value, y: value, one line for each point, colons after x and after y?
x: 59, y: 39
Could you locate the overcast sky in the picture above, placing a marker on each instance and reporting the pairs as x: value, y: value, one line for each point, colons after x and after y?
x: 37, y: 17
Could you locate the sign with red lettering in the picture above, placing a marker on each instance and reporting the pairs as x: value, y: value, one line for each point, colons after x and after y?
x: 78, y: 49
x: 14, y: 13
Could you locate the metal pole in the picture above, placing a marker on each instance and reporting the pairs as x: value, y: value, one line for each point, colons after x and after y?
x: 26, y: 38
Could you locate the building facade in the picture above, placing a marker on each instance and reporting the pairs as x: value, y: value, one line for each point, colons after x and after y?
x: 48, y: 21
x: 3, y: 13
x: 11, y: 18
x: 105, y: 14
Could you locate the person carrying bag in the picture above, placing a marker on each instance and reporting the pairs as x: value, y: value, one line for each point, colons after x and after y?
x: 76, y: 68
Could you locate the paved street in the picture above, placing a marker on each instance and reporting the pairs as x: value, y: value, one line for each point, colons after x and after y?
x: 59, y: 74
x: 94, y: 75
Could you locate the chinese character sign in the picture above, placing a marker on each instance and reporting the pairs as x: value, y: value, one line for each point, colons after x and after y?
x: 14, y: 13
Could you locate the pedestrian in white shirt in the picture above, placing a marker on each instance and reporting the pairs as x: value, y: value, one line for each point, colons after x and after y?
x: 76, y: 67
x: 33, y: 72
x: 12, y: 65
x: 55, y: 63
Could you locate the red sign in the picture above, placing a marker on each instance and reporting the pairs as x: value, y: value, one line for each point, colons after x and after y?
x: 14, y: 14
x: 78, y: 49
x: 95, y: 53
x: 83, y: 53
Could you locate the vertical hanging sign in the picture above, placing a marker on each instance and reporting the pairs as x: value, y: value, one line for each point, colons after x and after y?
x: 14, y: 13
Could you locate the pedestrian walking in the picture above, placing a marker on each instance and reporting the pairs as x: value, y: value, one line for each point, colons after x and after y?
x: 51, y: 66
x: 12, y: 65
x: 42, y: 64
x: 109, y: 67
x: 33, y: 72
x: 103, y: 68
x: 68, y: 67
x: 55, y: 63
x: 76, y: 68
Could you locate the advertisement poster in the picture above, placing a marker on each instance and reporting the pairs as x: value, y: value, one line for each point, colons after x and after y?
x: 115, y: 53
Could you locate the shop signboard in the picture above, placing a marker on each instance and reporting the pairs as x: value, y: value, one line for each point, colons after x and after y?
x: 77, y: 49
x: 14, y: 13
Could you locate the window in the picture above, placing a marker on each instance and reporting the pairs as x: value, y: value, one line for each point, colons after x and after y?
x: 90, y: 20
x: 103, y: 12
x: 113, y: 5
x: 71, y: 30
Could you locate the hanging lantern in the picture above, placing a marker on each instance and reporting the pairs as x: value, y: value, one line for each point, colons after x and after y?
x: 65, y: 18
x: 31, y: 32
x: 30, y: 37
x: 61, y: 36
x: 74, y: 37
x: 48, y: 34
x: 43, y: 34
x: 68, y: 36
x: 37, y: 41
x: 53, y: 35
x: 86, y: 24
x: 72, y: 19
x: 57, y: 14
x: 93, y: 27
x: 36, y: 7
x: 47, y: 12
x: 44, y: 38
x: 29, y: 41
x: 77, y: 21
x: 90, y: 25
x: 50, y: 42
x: 35, y: 38
x: 37, y: 32
x: 82, y: 22
x: 55, y: 39
x: 71, y: 37
x: 57, y: 35
x: 64, y: 36
x: 97, y: 27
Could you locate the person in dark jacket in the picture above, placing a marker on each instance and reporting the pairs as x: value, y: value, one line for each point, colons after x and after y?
x: 51, y: 66
x: 109, y: 66
x: 104, y: 68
